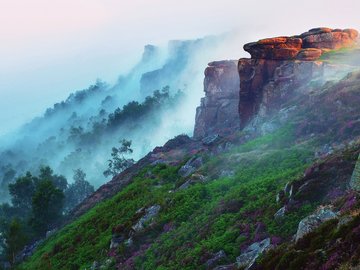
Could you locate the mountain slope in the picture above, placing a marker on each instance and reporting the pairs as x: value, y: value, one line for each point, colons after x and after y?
x: 268, y: 196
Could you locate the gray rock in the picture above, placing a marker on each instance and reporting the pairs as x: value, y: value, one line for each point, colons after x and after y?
x: 355, y: 178
x: 225, y: 267
x: 313, y: 221
x: 95, y: 265
x: 210, y: 140
x: 247, y: 259
x: 280, y: 196
x: 191, y: 166
x: 280, y: 213
x: 227, y: 173
x: 287, y: 188
x: 215, y: 259
x: 150, y: 213
x: 116, y: 241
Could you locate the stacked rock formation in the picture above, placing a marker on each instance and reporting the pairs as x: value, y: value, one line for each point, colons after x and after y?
x: 218, y: 112
x: 280, y: 65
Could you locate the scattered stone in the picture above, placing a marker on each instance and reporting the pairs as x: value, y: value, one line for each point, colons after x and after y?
x: 150, y: 213
x: 247, y: 258
x: 313, y: 221
x: 355, y: 178
x: 191, y: 166
x: 225, y: 267
x: 280, y: 213
x: 219, y: 256
x: 116, y: 241
x: 227, y: 173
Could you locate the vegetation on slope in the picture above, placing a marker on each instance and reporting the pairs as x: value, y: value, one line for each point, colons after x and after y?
x: 221, y: 214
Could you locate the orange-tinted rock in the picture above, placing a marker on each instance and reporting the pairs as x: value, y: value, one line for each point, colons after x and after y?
x: 310, y: 54
x: 280, y: 48
x: 288, y: 48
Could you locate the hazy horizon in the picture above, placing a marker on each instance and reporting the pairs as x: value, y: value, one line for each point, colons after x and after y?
x: 50, y: 49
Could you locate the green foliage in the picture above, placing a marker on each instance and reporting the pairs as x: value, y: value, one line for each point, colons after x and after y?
x: 77, y: 191
x: 47, y: 205
x: 15, y: 239
x: 118, y: 162
x: 203, y: 219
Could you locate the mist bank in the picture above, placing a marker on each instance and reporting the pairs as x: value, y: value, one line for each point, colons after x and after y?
x: 151, y: 104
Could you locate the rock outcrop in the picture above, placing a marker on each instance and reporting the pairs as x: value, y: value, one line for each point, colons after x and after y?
x: 313, y: 221
x: 355, y: 178
x: 247, y: 258
x: 278, y: 66
x: 218, y: 113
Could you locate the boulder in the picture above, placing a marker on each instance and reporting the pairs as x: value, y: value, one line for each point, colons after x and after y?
x: 150, y: 213
x: 280, y: 213
x: 313, y: 221
x: 247, y: 258
x: 355, y: 178
x: 191, y: 166
x: 218, y: 257
x: 116, y: 241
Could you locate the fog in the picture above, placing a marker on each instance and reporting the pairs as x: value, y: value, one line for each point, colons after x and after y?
x: 48, y: 50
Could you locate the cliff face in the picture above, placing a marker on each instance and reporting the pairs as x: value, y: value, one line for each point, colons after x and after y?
x: 279, y: 66
x: 218, y: 112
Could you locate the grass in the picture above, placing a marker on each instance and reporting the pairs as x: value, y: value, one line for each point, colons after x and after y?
x: 204, y: 218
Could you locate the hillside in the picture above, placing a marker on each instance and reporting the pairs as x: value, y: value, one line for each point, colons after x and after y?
x: 269, y: 180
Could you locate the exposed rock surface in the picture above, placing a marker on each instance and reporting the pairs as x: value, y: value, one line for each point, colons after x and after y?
x: 313, y: 221
x: 278, y: 66
x: 289, y: 48
x: 191, y: 166
x: 355, y: 178
x: 150, y: 213
x: 247, y: 259
x: 218, y: 257
x: 217, y: 113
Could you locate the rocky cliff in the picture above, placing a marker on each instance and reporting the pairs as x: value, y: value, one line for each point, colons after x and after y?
x: 279, y: 66
x: 218, y: 112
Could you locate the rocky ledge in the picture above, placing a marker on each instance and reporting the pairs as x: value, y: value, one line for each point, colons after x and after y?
x: 282, y: 65
x: 308, y: 46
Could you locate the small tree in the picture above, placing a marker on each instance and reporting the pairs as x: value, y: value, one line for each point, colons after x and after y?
x: 78, y: 190
x: 47, y: 206
x: 22, y: 192
x: 119, y: 163
x: 15, y: 240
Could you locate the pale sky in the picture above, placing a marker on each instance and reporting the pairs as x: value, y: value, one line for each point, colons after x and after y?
x: 51, y: 48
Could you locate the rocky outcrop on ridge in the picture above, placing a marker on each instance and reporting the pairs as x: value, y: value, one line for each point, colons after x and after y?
x: 218, y: 113
x: 278, y: 66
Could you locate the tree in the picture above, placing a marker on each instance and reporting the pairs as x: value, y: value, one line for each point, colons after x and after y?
x: 47, y: 206
x: 46, y: 173
x: 119, y: 163
x: 22, y: 192
x: 77, y: 191
x: 15, y: 240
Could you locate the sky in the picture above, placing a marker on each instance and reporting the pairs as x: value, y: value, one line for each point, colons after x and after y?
x: 48, y: 49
